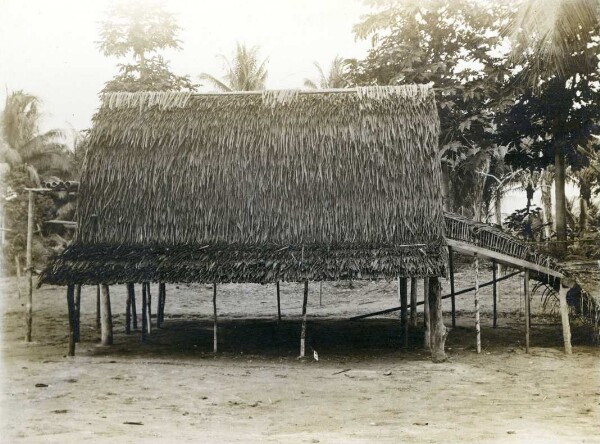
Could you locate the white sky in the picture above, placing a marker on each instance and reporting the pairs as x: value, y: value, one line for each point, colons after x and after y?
x: 48, y: 47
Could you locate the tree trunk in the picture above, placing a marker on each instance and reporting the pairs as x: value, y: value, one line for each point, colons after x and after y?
x: 438, y: 330
x: 561, y: 204
x: 547, y: 219
x: 106, y: 316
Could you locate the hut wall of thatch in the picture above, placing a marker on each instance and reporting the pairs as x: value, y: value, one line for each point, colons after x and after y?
x: 181, y: 187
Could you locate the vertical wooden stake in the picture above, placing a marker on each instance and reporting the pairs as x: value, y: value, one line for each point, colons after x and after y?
x: 128, y: 310
x: 163, y: 300
x: 71, y: 311
x: 106, y: 316
x: 452, y: 291
x: 564, y: 316
x: 303, y: 332
x: 149, y: 314
x: 413, y: 302
x: 29, y: 265
x: 426, y: 317
x: 495, y: 293
x: 77, y: 312
x: 98, y: 308
x: 215, y: 317
x: 278, y: 303
x: 527, y: 310
x: 477, y: 320
x: 320, y: 293
x: 18, y: 268
x: 133, y: 307
x: 438, y: 331
x: 144, y: 311
x: 403, y: 288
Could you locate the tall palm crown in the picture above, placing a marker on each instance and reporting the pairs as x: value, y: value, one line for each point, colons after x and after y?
x: 244, y: 72
x: 333, y: 79
x: 44, y: 153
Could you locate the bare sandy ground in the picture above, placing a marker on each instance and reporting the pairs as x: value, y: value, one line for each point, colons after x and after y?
x: 363, y: 389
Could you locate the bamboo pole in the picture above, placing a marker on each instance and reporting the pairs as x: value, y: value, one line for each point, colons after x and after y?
x: 133, y: 308
x: 163, y: 290
x: 77, y: 313
x: 149, y: 313
x: 29, y: 266
x: 495, y: 293
x: 564, y: 316
x: 144, y: 312
x: 452, y: 292
x: 437, y: 328
x: 527, y: 309
x: 477, y: 319
x: 426, y: 318
x: 18, y: 268
x: 403, y: 290
x: 106, y: 316
x: 98, y: 326
x: 215, y: 326
x: 320, y: 293
x: 303, y: 331
x: 128, y: 310
x: 71, y: 313
x: 413, y: 302
x: 278, y: 302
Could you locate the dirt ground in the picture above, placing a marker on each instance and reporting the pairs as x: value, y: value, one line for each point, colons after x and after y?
x: 364, y: 388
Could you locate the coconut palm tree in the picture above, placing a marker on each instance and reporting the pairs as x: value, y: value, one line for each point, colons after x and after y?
x: 554, y: 39
x: 333, y: 79
x: 244, y: 72
x: 42, y: 154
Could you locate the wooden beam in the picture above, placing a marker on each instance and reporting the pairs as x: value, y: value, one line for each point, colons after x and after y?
x: 477, y: 320
x: 71, y: 312
x: 527, y: 309
x: 452, y: 293
x: 77, y: 313
x: 413, y: 302
x: 495, y: 293
x: 426, y: 317
x: 133, y: 308
x: 215, y: 326
x: 564, y: 316
x: 144, y: 312
x: 278, y: 302
x: 128, y: 310
x: 106, y: 316
x: 149, y: 311
x: 403, y: 290
x: 29, y: 265
x: 303, y: 331
x: 466, y: 248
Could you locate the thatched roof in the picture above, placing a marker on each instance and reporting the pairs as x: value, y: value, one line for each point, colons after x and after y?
x: 259, y: 187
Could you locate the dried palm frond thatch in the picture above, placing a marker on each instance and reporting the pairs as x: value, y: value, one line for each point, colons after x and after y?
x: 259, y: 187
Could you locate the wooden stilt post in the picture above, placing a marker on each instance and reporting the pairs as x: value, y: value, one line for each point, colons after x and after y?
x: 320, y: 293
x: 527, y: 309
x: 162, y: 288
x: 426, y: 317
x: 29, y: 265
x: 18, y: 269
x: 128, y: 310
x: 77, y: 312
x: 133, y: 307
x: 215, y: 326
x: 438, y: 330
x: 413, y: 302
x: 98, y: 326
x: 303, y: 332
x: 477, y: 320
x: 403, y: 289
x: 144, y: 311
x: 149, y: 313
x: 495, y: 293
x: 106, y: 316
x: 71, y: 311
x: 452, y: 292
x: 564, y: 316
x: 278, y: 303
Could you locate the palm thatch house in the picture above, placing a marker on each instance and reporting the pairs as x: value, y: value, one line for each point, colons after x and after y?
x: 261, y: 187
